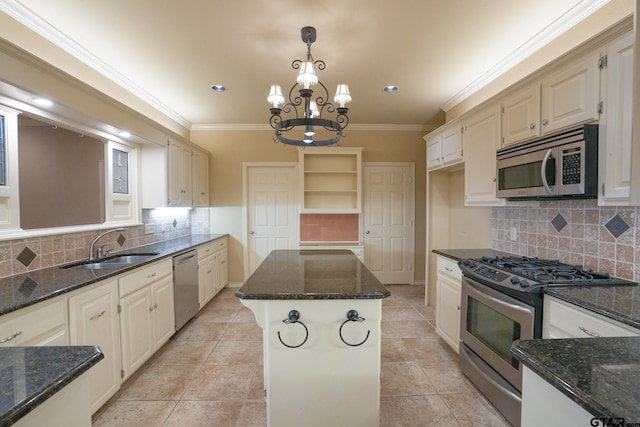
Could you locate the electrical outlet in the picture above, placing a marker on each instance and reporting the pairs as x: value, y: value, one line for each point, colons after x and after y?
x: 149, y: 228
x: 514, y: 236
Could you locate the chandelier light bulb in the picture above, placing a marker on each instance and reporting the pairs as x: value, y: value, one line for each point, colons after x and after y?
x: 275, y: 97
x: 342, y: 95
x: 313, y: 109
x: 307, y: 75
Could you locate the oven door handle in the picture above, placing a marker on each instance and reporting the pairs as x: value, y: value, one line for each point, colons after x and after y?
x: 480, y: 295
x: 543, y: 171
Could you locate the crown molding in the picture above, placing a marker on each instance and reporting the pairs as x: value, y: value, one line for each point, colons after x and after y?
x: 41, y: 27
x: 560, y: 26
x: 353, y: 127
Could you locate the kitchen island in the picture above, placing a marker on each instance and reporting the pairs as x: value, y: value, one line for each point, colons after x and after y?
x: 320, y: 312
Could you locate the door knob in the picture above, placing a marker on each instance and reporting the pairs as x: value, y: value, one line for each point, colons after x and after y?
x: 252, y: 232
x: 366, y: 232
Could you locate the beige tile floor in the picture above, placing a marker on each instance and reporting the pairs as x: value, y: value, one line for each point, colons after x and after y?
x: 210, y: 373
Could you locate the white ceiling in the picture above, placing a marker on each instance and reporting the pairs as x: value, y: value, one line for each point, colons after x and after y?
x: 170, y: 52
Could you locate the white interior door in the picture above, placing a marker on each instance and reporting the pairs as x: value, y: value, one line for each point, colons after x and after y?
x: 388, y: 193
x: 271, y: 211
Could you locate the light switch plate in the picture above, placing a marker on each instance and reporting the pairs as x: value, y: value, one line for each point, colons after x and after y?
x: 149, y: 228
x: 514, y: 236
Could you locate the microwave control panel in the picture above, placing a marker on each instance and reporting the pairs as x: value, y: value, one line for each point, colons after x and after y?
x: 571, y: 166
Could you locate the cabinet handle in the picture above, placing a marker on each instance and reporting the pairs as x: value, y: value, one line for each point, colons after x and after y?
x: 155, y: 306
x: 97, y: 316
x: 151, y: 276
x: 545, y: 122
x: 449, y: 269
x: 588, y: 332
x: 532, y: 126
x: 151, y: 308
x: 11, y: 338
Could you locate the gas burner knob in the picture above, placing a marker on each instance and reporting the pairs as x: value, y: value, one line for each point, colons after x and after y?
x: 524, y: 283
x: 471, y: 264
x: 515, y: 280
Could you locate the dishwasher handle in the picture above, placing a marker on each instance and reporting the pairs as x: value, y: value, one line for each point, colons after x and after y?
x: 182, y: 260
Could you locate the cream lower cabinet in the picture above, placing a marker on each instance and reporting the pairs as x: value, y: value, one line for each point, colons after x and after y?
x: 545, y: 405
x: 213, y: 271
x: 448, y: 295
x: 147, y: 318
x: 481, y: 140
x: 45, y: 323
x: 561, y: 319
x: 94, y: 320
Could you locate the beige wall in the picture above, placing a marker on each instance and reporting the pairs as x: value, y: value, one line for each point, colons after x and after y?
x: 231, y: 148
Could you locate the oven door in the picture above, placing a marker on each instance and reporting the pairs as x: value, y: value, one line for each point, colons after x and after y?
x: 490, y: 322
x: 528, y: 174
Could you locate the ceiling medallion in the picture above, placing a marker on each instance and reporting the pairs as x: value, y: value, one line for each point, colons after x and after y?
x: 307, y: 126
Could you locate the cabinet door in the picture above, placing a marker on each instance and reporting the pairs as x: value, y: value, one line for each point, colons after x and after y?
x: 221, y: 270
x: 481, y: 140
x: 521, y: 115
x: 571, y: 95
x: 179, y: 164
x: 434, y: 149
x: 136, y: 330
x: 93, y: 320
x: 164, y: 324
x: 448, y: 296
x: 206, y: 279
x: 615, y: 124
x: 451, y: 145
x: 200, y: 166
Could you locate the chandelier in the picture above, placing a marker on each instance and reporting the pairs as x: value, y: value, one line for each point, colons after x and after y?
x: 307, y: 126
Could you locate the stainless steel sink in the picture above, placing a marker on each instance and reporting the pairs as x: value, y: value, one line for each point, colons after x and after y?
x: 112, y: 262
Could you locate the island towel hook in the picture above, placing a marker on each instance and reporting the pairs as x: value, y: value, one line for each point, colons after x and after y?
x: 352, y: 316
x: 294, y: 317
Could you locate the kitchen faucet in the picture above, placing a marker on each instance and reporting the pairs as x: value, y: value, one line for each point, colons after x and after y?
x: 91, y: 255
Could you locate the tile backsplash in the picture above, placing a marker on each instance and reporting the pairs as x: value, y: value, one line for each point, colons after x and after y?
x: 602, y: 238
x: 22, y: 255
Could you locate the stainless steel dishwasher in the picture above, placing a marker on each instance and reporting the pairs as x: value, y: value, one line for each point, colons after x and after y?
x: 185, y: 287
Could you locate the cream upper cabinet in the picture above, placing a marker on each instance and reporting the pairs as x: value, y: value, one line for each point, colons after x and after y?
x: 94, y: 320
x: 176, y: 174
x: 521, y: 115
x: 444, y: 146
x: 481, y: 140
x: 614, y: 163
x: 180, y: 179
x: 200, y: 169
x: 565, y: 97
x: 331, y: 179
x: 571, y: 95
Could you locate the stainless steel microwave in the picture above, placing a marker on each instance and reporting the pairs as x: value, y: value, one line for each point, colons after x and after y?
x: 561, y: 166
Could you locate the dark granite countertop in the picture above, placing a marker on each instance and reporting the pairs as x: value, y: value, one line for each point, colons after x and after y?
x: 312, y: 274
x: 602, y: 375
x: 29, y: 288
x: 31, y: 375
x: 621, y: 303
x: 458, y: 254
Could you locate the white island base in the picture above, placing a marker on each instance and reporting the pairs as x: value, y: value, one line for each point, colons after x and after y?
x: 325, y: 381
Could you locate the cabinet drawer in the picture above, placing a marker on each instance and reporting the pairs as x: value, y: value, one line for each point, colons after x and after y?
x: 45, y: 323
x: 563, y: 320
x: 208, y: 249
x: 449, y: 267
x: 142, y: 277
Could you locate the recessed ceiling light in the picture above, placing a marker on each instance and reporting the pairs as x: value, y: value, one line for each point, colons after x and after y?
x: 43, y: 102
x: 391, y: 88
x: 218, y: 88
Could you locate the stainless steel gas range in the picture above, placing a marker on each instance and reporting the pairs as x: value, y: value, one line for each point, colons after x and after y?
x: 501, y: 303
